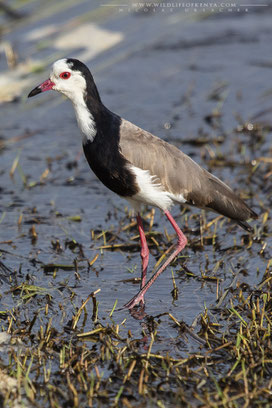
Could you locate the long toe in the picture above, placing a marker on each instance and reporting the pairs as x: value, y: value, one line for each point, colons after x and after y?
x: 138, y: 299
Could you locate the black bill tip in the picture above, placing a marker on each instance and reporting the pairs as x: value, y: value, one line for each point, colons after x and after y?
x: 34, y: 92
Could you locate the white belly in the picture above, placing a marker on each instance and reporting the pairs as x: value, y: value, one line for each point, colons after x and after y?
x: 152, y: 192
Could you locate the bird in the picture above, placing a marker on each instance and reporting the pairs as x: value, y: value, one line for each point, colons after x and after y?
x: 139, y: 166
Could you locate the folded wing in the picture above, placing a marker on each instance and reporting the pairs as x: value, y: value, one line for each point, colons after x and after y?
x: 180, y: 175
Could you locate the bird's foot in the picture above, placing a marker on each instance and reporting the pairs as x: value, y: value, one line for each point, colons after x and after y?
x: 136, y: 312
x: 136, y: 300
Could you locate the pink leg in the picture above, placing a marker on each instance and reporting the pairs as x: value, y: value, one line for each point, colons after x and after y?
x: 182, y: 241
x: 144, y: 250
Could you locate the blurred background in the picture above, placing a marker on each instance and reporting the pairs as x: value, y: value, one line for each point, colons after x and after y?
x: 197, y: 75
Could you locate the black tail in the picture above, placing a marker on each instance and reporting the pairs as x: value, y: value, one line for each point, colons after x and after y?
x: 226, y: 202
x: 245, y: 225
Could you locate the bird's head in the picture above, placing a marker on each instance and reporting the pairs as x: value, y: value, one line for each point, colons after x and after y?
x: 71, y: 78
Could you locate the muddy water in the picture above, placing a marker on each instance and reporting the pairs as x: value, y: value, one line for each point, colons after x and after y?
x: 168, y: 72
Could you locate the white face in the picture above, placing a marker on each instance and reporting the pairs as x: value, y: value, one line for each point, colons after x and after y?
x: 67, y: 81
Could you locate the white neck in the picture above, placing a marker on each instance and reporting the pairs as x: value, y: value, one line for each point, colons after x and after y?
x: 85, y: 119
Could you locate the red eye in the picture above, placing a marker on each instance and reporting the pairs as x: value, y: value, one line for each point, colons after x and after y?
x: 65, y: 75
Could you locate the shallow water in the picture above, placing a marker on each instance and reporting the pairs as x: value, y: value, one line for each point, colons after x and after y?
x: 168, y: 73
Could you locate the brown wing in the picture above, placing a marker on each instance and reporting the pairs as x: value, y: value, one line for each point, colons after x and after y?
x: 179, y: 174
